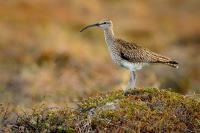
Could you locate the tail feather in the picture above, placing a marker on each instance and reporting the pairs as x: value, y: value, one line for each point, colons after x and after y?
x: 172, y: 64
x: 157, y: 58
x: 166, y: 60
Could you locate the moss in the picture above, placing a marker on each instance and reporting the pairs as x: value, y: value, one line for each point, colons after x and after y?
x: 147, y: 110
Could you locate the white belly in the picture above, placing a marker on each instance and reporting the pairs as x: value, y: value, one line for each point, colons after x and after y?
x: 133, y: 66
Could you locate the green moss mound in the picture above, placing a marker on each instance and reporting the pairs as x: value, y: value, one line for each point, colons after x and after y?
x: 147, y: 110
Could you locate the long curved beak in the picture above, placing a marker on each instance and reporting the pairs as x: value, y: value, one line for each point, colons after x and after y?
x: 97, y: 24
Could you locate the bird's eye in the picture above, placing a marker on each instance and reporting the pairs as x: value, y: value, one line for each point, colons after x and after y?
x: 104, y: 23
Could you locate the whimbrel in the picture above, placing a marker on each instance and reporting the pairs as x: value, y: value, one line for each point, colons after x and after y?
x: 129, y: 55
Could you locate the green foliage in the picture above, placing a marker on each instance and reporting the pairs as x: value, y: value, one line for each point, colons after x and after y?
x: 147, y: 110
x: 42, y: 49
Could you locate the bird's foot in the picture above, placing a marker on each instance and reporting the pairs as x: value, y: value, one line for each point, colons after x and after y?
x: 124, y: 93
x: 132, y: 91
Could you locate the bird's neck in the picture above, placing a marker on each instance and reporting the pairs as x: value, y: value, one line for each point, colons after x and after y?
x: 109, y: 35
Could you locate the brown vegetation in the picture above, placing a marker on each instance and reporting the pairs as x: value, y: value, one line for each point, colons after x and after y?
x: 147, y: 110
x: 44, y: 57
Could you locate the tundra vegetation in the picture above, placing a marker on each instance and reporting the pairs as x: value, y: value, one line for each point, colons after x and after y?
x: 45, y: 64
x: 147, y: 110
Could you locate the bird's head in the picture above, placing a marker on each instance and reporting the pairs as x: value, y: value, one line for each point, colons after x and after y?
x: 105, y: 24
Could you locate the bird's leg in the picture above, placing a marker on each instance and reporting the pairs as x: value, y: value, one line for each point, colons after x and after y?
x: 133, y: 83
x: 129, y: 82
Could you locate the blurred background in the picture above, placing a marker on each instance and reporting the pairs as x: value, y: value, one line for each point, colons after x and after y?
x: 44, y: 57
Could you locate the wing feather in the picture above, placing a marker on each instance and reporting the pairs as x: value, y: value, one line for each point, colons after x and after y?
x: 136, y: 53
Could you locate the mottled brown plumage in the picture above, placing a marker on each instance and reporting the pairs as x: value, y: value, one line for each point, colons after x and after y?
x: 129, y: 55
x: 136, y: 53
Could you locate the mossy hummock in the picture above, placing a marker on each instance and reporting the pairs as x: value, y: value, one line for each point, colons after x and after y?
x: 147, y: 110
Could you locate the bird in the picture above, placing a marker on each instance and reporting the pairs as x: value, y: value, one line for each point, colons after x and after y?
x: 129, y: 55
